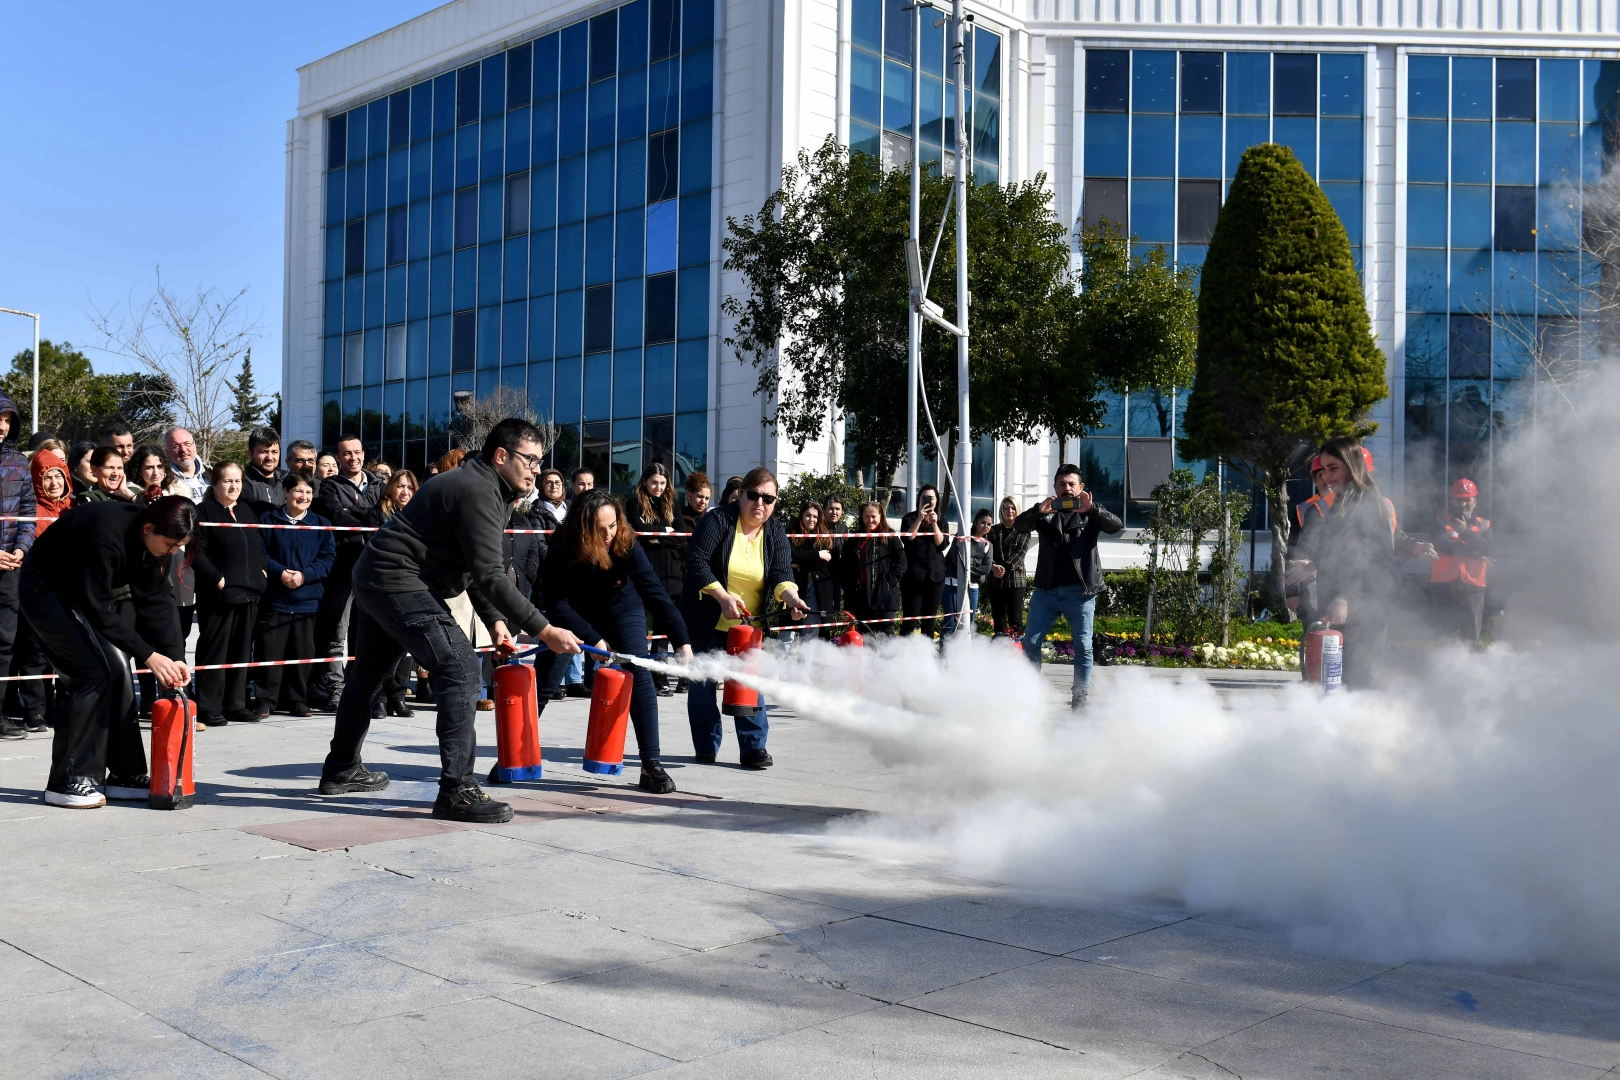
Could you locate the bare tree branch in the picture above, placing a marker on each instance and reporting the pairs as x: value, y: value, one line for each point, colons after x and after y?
x: 480, y: 415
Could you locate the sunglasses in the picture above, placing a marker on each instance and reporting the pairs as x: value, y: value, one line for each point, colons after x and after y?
x: 761, y: 497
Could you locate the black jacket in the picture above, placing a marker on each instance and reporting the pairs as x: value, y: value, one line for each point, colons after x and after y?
x: 237, y: 555
x: 448, y: 539
x: 810, y: 570
x: 586, y: 598
x: 340, y: 501
x: 1069, y: 535
x: 263, y: 493
x: 666, y: 553
x: 925, y: 560
x: 524, y: 553
x: 871, y: 568
x: 708, y: 560
x: 93, y: 559
x: 1008, y: 549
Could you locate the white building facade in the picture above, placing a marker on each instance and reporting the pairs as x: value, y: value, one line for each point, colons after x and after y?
x: 533, y: 194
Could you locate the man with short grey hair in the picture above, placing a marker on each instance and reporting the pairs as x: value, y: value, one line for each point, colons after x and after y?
x: 192, y: 472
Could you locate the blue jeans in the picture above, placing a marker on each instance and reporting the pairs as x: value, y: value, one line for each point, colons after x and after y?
x: 703, y: 707
x: 948, y: 603
x: 1070, y: 601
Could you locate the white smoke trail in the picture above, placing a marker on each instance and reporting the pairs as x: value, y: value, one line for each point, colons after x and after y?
x: 1469, y: 814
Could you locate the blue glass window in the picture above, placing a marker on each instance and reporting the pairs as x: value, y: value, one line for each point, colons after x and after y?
x: 664, y: 98
x: 1515, y: 218
x: 1560, y: 90
x: 399, y: 119
x: 489, y: 274
x: 515, y: 274
x: 1515, y: 152
x: 1347, y: 203
x: 1471, y: 88
x: 692, y: 304
x: 1342, y: 143
x: 866, y: 23
x: 517, y: 140
x: 659, y: 395
x: 633, y: 104
x: 986, y: 61
x: 337, y: 128
x: 896, y: 96
x: 444, y: 164
x: 604, y: 108
x: 1153, y: 145
x: 491, y: 212
x: 1294, y: 84
x: 1201, y: 145
x: 335, y: 244
x: 1426, y: 151
x: 572, y: 50
x: 1343, y: 84
x: 1559, y: 219
x: 1515, y: 89
x: 1243, y: 132
x: 570, y: 256
x: 376, y: 184
x: 697, y: 85
x: 1153, y: 81
x: 396, y: 236
x: 932, y: 109
x: 571, y: 123
x: 444, y: 103
x: 467, y: 95
x: 440, y: 338
x: 439, y: 270
x: 467, y: 156
x: 514, y: 332
x: 864, y: 139
x: 1470, y: 153
x: 661, y: 237
x: 519, y: 75
x: 630, y: 245
x: 334, y: 197
x: 421, y: 170
x: 632, y: 36
x: 545, y: 131
x: 691, y: 375
x: 632, y: 173
x: 1298, y: 133
x: 1426, y: 346
x: 987, y: 134
x: 399, y: 177
x: 517, y: 204
x: 1470, y: 216
x: 598, y: 391
x: 1470, y: 347
x: 662, y: 166
x: 599, y: 250
x: 627, y: 311
x: 599, y: 188
x: 1198, y: 205
x: 354, y: 303
x: 1471, y: 280
x: 377, y: 126
x: 1106, y: 202
x: 1560, y: 154
x: 355, y: 144
x: 1248, y: 83
x: 333, y: 323
x: 696, y: 162
x: 464, y: 345
x: 542, y: 327
x: 604, y: 45
x: 568, y: 390
x: 570, y: 322
x: 1201, y: 82
x: 626, y: 386
x: 571, y: 189
x: 1515, y: 282
x: 1428, y: 80
x: 691, y: 441
x: 1425, y: 280
x: 1510, y: 348
x: 376, y: 235
x: 1107, y: 144
x: 1153, y: 211
x: 374, y: 300
x: 354, y: 248
x: 660, y: 308
x: 543, y: 197
x: 697, y: 24
x: 542, y: 262
x: 420, y: 290
x: 1426, y: 215
x: 494, y: 85
x: 692, y: 232
x: 1108, y: 84
x: 466, y: 279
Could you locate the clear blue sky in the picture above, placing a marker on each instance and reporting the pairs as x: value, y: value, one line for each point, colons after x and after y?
x: 138, y: 135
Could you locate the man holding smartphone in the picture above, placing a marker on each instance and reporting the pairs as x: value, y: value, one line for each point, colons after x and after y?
x: 1068, y: 571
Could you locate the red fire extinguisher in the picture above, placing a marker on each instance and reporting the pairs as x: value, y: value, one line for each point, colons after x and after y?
x: 174, y: 730
x: 852, y: 639
x: 610, y: 715
x: 1324, y: 657
x: 737, y: 699
x: 517, y: 725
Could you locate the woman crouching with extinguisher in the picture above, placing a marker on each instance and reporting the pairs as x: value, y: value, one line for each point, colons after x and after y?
x: 1354, y: 559
x: 599, y: 583
x: 100, y: 564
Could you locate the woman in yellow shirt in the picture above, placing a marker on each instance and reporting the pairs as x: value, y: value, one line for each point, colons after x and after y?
x: 737, y: 558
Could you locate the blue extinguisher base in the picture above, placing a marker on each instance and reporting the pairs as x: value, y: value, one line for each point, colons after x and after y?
x: 603, y: 768
x: 521, y: 772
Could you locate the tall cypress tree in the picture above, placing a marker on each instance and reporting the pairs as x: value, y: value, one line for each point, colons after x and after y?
x: 1286, y: 356
x: 246, y: 408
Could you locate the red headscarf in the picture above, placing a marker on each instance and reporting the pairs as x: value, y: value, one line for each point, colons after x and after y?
x: 49, y: 509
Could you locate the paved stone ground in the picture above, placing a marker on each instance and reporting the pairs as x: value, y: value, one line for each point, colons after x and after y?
x: 712, y: 934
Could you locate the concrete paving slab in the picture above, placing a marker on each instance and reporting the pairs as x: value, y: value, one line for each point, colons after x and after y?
x: 351, y: 830
x: 1571, y: 1023
x: 1015, y: 918
x: 26, y: 976
x: 1307, y: 1044
x: 691, y: 1006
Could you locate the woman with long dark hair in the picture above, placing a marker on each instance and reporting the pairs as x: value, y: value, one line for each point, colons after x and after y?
x: 653, y: 510
x: 1353, y: 554
x: 927, y: 543
x: 813, y: 559
x: 94, y: 591
x: 230, y: 580
x: 871, y: 569
x: 1009, y: 550
x: 599, y: 583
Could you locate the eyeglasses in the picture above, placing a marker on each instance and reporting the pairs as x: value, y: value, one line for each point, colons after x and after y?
x: 534, y: 463
x: 552, y: 481
x: 761, y: 497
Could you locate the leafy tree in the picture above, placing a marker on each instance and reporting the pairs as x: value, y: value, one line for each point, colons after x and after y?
x: 1138, y: 315
x: 810, y: 487
x: 272, y: 415
x: 73, y: 400
x: 1186, y: 514
x: 1286, y: 356
x: 247, y: 410
x: 824, y: 316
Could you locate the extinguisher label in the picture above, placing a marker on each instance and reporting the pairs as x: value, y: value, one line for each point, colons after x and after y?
x: 1332, y: 664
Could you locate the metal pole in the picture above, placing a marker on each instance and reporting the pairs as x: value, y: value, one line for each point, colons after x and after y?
x: 913, y: 319
x: 34, y: 419
x: 964, y: 437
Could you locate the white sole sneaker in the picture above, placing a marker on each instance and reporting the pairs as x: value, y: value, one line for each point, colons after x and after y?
x: 128, y: 793
x: 75, y: 802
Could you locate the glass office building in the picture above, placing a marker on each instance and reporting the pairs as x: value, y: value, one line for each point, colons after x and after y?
x: 533, y: 194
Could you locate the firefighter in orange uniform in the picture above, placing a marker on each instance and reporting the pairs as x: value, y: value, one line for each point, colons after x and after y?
x: 1457, y: 577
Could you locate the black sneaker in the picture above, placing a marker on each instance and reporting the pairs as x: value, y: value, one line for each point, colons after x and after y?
x: 8, y: 730
x: 35, y: 723
x: 358, y: 778
x: 263, y: 711
x: 576, y: 689
x: 246, y: 716
x: 400, y: 709
x: 129, y: 787
x: 469, y: 803
x: 79, y: 793
x: 655, y: 779
x: 666, y: 691
x: 756, y: 759
x: 703, y: 759
x: 213, y: 721
x: 301, y: 711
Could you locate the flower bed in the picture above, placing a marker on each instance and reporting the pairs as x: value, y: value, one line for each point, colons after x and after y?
x: 1271, y: 654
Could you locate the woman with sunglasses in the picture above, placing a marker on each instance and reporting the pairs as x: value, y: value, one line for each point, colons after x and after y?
x: 738, y: 561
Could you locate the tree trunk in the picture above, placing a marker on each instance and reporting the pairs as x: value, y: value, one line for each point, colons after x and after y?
x: 1277, y: 502
x: 1224, y: 583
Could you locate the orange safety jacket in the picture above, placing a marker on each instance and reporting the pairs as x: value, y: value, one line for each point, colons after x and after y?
x: 1323, y: 502
x: 1456, y: 537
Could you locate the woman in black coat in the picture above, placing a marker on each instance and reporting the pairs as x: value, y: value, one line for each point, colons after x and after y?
x: 926, y: 544
x: 229, y: 568
x: 653, y: 511
x: 871, y: 568
x: 599, y: 584
x: 813, y: 560
x: 94, y: 590
x: 1009, y: 549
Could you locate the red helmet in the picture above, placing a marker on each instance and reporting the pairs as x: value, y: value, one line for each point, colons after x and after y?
x: 1367, y: 454
x: 1316, y: 464
x: 1464, y: 489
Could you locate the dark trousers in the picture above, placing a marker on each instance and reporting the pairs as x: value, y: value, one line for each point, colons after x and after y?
x: 224, y: 636
x: 10, y: 605
x: 1363, y: 652
x: 865, y: 612
x: 1463, y: 609
x: 627, y: 635
x: 703, y: 707
x: 418, y: 623
x: 95, y: 726
x: 920, y: 598
x: 332, y: 637
x: 1006, y: 607
x: 28, y: 658
x: 284, y: 635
